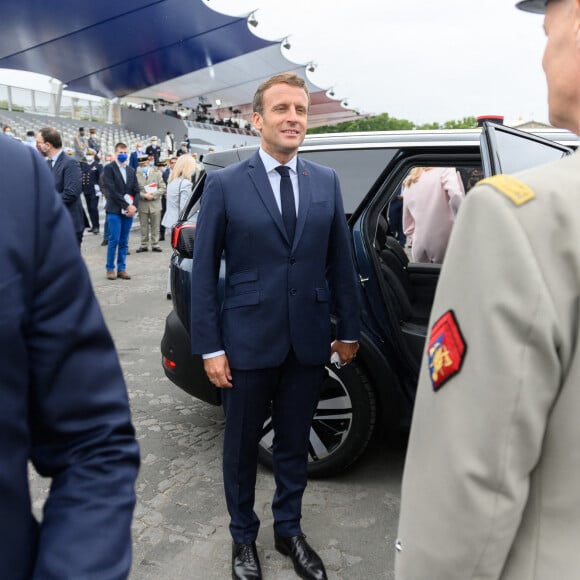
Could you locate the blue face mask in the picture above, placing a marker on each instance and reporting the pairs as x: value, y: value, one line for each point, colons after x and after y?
x: 122, y: 157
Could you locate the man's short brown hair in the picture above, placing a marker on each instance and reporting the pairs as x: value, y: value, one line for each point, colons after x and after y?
x: 120, y: 145
x: 52, y: 136
x: 291, y: 79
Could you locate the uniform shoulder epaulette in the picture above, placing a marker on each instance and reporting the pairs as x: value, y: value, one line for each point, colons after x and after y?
x: 514, y: 189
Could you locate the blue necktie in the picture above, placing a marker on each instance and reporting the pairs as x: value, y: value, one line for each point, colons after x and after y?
x: 287, y: 201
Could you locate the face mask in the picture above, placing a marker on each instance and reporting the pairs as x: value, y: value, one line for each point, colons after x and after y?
x: 151, y: 163
x: 144, y: 170
x: 90, y: 159
x: 122, y: 157
x: 8, y: 133
x: 31, y: 139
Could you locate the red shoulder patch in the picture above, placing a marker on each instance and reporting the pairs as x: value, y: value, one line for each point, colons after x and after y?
x: 446, y: 350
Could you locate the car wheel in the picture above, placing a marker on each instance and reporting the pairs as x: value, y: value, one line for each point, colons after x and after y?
x: 343, y: 424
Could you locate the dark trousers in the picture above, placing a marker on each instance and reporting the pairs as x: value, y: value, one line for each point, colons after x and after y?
x: 93, y: 208
x: 293, y: 391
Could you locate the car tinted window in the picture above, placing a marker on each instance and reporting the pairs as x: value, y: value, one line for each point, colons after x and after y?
x: 357, y: 170
x: 517, y: 154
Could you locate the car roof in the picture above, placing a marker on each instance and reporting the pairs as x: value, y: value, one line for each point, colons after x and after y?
x: 385, y: 139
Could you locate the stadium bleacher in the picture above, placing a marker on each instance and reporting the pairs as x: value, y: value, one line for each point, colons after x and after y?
x: 107, y: 134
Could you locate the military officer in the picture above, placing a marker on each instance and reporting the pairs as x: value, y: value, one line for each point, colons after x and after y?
x: 491, y: 487
x: 151, y: 189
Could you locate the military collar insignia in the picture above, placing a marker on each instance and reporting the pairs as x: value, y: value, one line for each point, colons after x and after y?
x: 446, y: 350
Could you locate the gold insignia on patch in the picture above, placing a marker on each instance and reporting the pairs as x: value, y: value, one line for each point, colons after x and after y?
x: 514, y: 189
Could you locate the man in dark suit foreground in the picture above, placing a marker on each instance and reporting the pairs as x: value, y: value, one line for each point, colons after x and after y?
x: 63, y: 402
x: 66, y: 172
x: 122, y: 189
x: 280, y: 222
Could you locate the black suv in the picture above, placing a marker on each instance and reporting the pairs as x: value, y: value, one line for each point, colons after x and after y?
x: 396, y: 294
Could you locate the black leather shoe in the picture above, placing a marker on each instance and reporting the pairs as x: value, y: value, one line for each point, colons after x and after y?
x: 245, y: 563
x: 139, y: 250
x: 105, y: 243
x: 156, y: 249
x: 307, y: 562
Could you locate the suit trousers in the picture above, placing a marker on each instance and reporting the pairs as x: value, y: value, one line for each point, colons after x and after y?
x: 292, y: 392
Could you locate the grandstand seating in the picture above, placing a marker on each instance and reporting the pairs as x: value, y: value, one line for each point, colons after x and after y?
x: 107, y: 134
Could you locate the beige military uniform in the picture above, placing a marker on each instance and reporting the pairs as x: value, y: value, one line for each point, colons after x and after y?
x: 491, y: 488
x: 150, y: 210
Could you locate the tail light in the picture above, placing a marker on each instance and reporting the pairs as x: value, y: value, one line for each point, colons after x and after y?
x: 182, y: 239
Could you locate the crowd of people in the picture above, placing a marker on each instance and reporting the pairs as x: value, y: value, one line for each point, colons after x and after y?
x: 128, y: 183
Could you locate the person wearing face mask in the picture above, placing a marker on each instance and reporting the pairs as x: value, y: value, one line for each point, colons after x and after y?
x: 151, y: 189
x: 30, y: 139
x: 67, y: 175
x: 154, y: 149
x: 7, y: 130
x: 122, y: 190
x: 91, y: 171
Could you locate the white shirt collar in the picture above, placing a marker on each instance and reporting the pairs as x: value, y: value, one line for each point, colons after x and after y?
x: 270, y: 163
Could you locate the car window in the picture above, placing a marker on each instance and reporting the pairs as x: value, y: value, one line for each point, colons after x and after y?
x: 357, y: 169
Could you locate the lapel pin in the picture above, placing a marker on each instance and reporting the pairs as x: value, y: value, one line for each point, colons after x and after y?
x: 305, y: 173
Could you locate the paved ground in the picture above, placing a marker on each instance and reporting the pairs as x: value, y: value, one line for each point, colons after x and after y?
x: 180, y: 527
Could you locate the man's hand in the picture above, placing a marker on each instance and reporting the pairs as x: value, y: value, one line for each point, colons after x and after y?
x: 218, y: 371
x: 131, y: 210
x: 346, y: 350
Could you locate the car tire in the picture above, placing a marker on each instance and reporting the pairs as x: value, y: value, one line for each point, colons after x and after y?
x: 343, y: 424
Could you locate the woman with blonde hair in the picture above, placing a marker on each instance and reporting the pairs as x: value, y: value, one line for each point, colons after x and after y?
x: 179, y: 188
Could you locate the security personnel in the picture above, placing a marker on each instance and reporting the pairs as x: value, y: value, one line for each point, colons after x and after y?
x: 491, y: 488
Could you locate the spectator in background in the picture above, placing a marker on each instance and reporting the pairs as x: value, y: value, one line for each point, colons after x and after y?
x: 187, y: 141
x: 7, y: 131
x: 431, y: 198
x: 30, y: 139
x: 179, y: 189
x: 154, y: 149
x: 80, y: 145
x: 151, y: 189
x: 64, y: 401
x: 91, y: 171
x: 134, y: 159
x: 183, y: 149
x: 169, y: 143
x: 66, y: 172
x: 93, y: 142
x: 169, y: 165
x: 122, y: 191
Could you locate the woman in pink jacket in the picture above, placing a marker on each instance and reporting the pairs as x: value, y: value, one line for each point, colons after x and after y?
x: 431, y: 198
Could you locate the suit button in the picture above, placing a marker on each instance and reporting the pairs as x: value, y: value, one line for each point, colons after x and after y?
x: 292, y: 261
x: 292, y: 291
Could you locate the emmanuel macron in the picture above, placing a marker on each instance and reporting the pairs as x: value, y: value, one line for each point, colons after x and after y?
x: 280, y: 222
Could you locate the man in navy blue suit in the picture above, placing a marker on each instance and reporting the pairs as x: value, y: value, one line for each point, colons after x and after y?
x: 66, y: 172
x: 279, y: 221
x: 63, y: 401
x: 120, y: 181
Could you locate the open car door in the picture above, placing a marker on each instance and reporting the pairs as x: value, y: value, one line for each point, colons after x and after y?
x: 507, y: 150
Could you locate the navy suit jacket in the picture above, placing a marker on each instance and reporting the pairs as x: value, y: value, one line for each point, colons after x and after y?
x: 63, y: 401
x: 68, y: 182
x: 277, y: 296
x: 117, y: 188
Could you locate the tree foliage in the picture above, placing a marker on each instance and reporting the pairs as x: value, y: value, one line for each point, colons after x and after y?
x: 384, y: 122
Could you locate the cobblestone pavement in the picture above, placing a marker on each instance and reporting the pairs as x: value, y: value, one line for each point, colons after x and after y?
x: 180, y: 527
